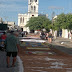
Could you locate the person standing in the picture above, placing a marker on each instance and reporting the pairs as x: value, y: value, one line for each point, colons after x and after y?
x: 22, y: 33
x: 3, y: 37
x: 49, y: 37
x: 46, y: 36
x: 12, y: 47
x: 42, y: 35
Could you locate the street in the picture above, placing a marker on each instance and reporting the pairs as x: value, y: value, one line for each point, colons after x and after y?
x: 40, y: 56
x: 45, y: 57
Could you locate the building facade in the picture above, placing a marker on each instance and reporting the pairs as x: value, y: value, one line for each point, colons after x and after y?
x: 32, y: 12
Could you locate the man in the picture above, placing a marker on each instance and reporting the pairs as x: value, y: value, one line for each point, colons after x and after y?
x: 22, y: 33
x: 12, y: 47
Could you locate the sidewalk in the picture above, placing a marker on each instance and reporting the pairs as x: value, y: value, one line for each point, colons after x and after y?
x: 63, y: 44
x: 3, y: 64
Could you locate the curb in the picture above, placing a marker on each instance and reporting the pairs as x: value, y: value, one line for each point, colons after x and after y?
x: 20, y: 65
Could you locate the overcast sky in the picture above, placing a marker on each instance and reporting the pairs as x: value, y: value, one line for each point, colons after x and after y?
x: 9, y: 9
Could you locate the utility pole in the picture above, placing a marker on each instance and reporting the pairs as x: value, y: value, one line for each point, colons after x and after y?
x: 55, y: 8
x: 53, y: 15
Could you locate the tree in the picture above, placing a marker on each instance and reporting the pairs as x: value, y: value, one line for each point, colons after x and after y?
x: 38, y: 23
x: 69, y: 21
x: 47, y: 24
x: 60, y: 22
x: 63, y: 21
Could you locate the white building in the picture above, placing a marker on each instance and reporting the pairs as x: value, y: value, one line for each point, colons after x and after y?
x: 32, y: 12
x: 11, y: 25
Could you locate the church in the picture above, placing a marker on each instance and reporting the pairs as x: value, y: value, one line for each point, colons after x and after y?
x: 32, y: 12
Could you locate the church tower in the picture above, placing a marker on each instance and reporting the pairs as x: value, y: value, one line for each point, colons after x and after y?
x: 32, y: 12
x: 33, y: 8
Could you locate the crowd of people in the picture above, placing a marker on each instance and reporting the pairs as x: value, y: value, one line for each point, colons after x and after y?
x: 46, y: 35
x: 11, y: 44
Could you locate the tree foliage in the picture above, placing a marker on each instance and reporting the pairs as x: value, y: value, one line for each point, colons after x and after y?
x: 69, y: 21
x: 63, y: 21
x: 47, y: 24
x: 60, y: 21
x: 38, y: 23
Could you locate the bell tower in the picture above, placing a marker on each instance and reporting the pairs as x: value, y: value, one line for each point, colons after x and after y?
x: 33, y: 8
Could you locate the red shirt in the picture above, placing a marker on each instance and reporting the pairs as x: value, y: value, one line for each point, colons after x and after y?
x: 3, y: 37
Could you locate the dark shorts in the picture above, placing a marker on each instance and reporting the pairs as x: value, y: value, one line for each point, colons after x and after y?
x: 49, y: 36
x: 14, y: 54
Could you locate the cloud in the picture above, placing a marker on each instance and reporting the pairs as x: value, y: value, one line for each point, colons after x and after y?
x: 13, y: 0
x: 12, y: 5
x: 55, y: 7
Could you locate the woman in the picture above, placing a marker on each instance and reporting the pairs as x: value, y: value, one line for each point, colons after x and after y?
x: 49, y: 37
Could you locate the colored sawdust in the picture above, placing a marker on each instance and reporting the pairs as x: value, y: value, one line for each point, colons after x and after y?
x: 34, y: 44
x: 35, y: 60
x: 59, y: 62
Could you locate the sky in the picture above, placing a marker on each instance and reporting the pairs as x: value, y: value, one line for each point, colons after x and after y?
x: 9, y: 9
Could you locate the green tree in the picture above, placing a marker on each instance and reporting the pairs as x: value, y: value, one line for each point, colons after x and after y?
x: 38, y: 23
x: 47, y: 24
x: 60, y: 22
x: 69, y: 21
x: 63, y: 21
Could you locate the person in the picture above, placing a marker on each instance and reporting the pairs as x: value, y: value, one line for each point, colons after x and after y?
x: 46, y: 36
x: 22, y: 33
x: 12, y: 47
x: 42, y: 35
x: 3, y: 37
x: 49, y: 37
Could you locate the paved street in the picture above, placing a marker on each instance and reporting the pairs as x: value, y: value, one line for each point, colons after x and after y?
x: 3, y: 65
x: 36, y: 59
x: 65, y: 45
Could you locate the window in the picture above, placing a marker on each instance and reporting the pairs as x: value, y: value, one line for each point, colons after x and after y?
x: 31, y: 7
x: 31, y: 0
x: 32, y: 15
x: 34, y: 8
x: 21, y: 20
